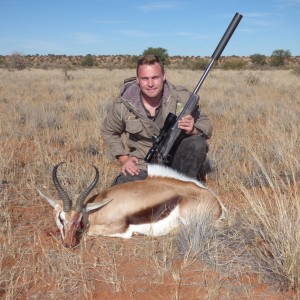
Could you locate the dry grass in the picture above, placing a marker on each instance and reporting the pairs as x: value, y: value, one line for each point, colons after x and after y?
x: 52, y: 116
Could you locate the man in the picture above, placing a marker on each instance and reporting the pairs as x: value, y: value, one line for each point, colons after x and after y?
x: 140, y: 112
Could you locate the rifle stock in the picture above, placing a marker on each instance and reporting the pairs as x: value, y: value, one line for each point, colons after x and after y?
x: 170, y: 131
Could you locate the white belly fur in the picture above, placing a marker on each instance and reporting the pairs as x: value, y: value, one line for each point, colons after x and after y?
x: 159, y: 228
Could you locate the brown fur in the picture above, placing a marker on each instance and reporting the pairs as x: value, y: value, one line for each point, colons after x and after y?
x: 141, y: 204
x: 151, y: 199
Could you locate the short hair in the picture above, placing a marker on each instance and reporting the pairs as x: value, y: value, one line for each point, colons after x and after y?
x: 149, y: 59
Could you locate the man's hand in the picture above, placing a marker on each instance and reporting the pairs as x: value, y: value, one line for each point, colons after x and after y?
x: 186, y: 123
x: 129, y: 165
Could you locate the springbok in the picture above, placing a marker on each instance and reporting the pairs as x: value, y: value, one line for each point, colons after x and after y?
x: 154, y: 206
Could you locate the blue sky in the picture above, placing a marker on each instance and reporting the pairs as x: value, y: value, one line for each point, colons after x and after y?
x: 112, y: 27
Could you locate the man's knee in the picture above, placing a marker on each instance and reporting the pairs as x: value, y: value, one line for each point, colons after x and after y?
x: 190, y: 156
x: 195, y: 143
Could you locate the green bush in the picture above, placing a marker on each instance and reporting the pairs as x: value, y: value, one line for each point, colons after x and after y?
x: 1, y: 60
x: 198, y: 64
x: 258, y: 59
x: 87, y: 61
x: 160, y: 52
x: 279, y: 57
x: 233, y: 64
x: 131, y: 62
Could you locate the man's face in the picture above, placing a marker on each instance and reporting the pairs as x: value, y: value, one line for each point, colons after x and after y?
x: 151, y: 80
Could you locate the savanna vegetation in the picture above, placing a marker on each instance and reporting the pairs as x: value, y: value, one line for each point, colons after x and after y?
x: 54, y: 115
x: 279, y: 59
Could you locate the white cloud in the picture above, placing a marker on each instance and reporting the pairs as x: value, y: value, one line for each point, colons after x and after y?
x: 136, y: 33
x: 158, y: 6
x: 108, y: 21
x: 256, y: 15
x: 247, y: 30
x: 185, y: 33
x: 261, y: 19
x: 87, y: 38
x: 289, y: 4
x: 192, y: 35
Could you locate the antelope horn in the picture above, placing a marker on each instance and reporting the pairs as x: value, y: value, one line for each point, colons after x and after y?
x: 79, y: 203
x: 67, y: 202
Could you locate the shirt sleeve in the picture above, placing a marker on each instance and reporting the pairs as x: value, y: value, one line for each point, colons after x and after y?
x: 204, y: 125
x: 112, y: 129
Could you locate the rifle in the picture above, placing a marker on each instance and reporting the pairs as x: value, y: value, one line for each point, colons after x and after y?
x: 168, y: 135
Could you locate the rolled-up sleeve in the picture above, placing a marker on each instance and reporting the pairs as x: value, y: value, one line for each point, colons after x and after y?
x: 203, y: 123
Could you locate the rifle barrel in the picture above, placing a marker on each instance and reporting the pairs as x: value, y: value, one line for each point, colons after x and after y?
x: 221, y: 46
x: 227, y: 35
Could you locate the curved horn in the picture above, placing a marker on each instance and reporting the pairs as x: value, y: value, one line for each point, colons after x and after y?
x: 67, y: 202
x: 79, y: 203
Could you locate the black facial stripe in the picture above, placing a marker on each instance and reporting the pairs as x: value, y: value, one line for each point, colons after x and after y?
x: 60, y: 219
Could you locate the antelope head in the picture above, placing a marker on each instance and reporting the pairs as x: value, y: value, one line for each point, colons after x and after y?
x: 69, y: 218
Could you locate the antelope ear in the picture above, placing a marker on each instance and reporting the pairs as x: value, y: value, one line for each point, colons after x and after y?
x: 50, y: 200
x: 96, y: 205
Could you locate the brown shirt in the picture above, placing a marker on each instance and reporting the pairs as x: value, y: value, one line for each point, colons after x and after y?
x: 128, y: 116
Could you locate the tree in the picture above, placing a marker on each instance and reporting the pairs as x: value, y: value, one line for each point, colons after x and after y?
x: 160, y: 52
x: 258, y: 59
x: 16, y: 61
x: 279, y: 57
x: 88, y: 61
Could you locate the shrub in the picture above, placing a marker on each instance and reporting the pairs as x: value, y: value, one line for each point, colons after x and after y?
x: 258, y: 59
x: 87, y: 61
x: 1, y: 60
x: 132, y: 62
x: 296, y: 71
x: 252, y: 79
x: 16, y: 61
x: 160, y: 52
x: 233, y: 64
x: 198, y: 64
x: 279, y: 57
